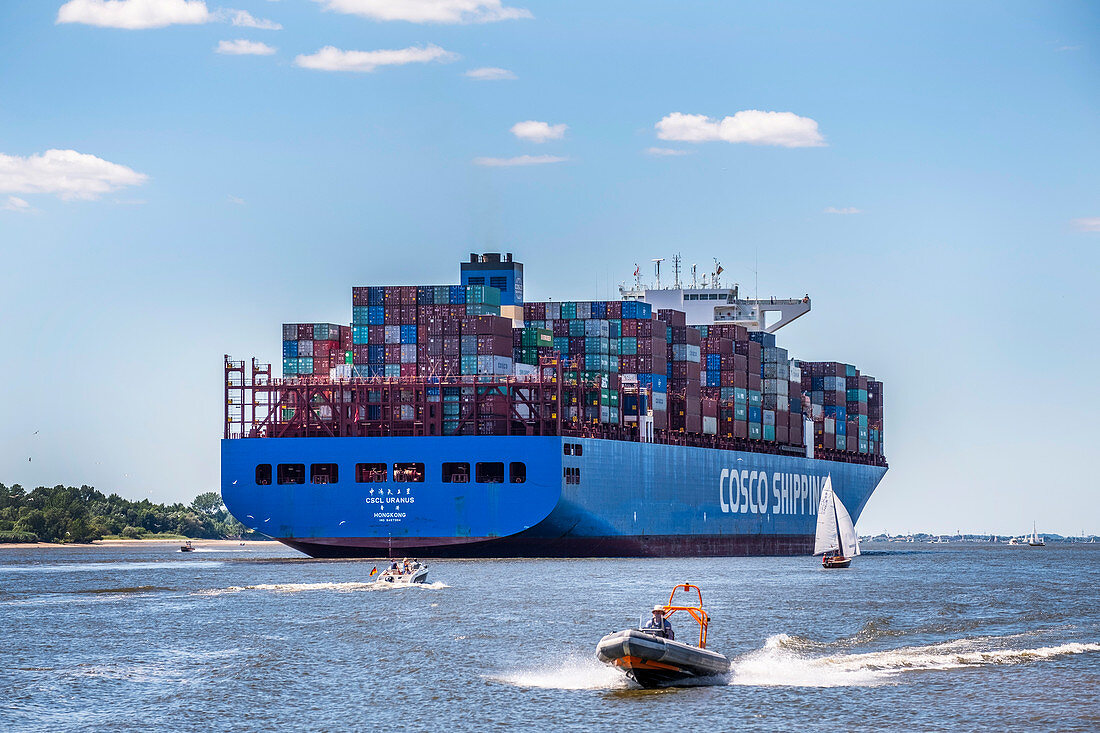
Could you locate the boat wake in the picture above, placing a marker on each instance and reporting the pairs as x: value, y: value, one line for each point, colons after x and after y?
x: 303, y: 587
x: 575, y: 672
x: 784, y: 661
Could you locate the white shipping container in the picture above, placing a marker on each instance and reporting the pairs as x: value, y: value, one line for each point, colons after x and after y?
x: 526, y: 370
x: 710, y: 425
x: 392, y: 334
x: 305, y: 348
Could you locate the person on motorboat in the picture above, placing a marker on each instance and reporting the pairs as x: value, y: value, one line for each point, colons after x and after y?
x: 659, y: 625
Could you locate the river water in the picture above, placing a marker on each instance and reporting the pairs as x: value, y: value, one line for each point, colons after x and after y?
x: 914, y: 637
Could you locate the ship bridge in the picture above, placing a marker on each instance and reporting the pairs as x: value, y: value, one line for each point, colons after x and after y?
x: 711, y: 304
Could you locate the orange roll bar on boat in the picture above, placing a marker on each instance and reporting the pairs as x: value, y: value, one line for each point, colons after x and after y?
x: 696, y: 612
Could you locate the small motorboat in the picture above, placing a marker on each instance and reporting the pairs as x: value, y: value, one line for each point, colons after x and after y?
x: 654, y: 661
x: 187, y: 547
x: 406, y: 573
x: 835, y: 539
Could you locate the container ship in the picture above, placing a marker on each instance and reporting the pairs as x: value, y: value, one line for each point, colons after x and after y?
x: 461, y: 421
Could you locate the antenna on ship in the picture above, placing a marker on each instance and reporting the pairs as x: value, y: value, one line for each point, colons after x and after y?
x: 693, y: 266
x: 676, y: 271
x: 637, y: 277
x: 717, y: 272
x: 657, y: 262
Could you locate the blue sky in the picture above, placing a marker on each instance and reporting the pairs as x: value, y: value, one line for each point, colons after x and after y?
x: 212, y: 196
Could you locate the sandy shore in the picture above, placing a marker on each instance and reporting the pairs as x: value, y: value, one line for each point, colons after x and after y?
x: 141, y: 543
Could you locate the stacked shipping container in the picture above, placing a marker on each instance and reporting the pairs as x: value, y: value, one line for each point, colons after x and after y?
x: 845, y: 406
x: 312, y: 349
x: 429, y: 330
x: 605, y: 344
x: 623, y: 361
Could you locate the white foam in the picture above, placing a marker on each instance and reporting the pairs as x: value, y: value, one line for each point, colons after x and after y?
x: 304, y: 587
x: 575, y: 672
x: 777, y: 663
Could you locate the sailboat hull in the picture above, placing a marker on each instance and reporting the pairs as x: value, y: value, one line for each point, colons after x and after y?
x: 830, y: 564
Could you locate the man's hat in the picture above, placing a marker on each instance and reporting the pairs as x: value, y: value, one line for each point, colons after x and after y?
x: 659, y: 608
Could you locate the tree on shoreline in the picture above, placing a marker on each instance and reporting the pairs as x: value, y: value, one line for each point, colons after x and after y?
x: 70, y: 514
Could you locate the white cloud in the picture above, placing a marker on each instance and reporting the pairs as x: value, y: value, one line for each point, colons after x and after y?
x: 844, y: 210
x: 14, y: 203
x: 245, y: 20
x: 747, y: 126
x: 235, y: 200
x: 134, y: 14
x: 1087, y: 224
x: 67, y: 173
x: 538, y: 132
x: 490, y: 73
x: 331, y: 58
x: 241, y: 47
x: 667, y: 151
x: 519, y: 160
x: 428, y: 11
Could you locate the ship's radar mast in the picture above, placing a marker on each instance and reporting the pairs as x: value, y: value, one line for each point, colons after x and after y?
x: 657, y: 263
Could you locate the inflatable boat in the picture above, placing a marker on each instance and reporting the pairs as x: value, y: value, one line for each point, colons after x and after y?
x: 652, y: 660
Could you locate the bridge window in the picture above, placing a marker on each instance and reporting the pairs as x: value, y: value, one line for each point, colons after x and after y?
x: 263, y: 474
x: 490, y: 473
x: 409, y: 472
x: 458, y: 473
x: 371, y: 473
x: 324, y: 473
x: 572, y: 475
x: 517, y: 472
x: 292, y: 473
x: 573, y: 449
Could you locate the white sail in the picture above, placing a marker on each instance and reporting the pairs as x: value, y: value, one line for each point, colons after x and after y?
x: 825, y: 539
x: 848, y: 538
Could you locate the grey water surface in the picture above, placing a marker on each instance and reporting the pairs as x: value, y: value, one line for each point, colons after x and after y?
x: 912, y: 637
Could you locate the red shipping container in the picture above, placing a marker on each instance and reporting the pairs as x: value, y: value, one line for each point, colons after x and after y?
x: 305, y: 331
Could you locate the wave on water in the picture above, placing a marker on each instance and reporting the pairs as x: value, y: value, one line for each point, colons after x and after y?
x: 783, y: 661
x: 123, y: 591
x: 575, y: 672
x: 303, y: 587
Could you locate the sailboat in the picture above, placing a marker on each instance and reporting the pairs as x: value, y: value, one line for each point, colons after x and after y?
x: 836, y: 537
x: 1035, y: 540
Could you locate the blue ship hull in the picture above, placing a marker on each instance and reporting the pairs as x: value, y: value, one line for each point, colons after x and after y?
x: 629, y: 500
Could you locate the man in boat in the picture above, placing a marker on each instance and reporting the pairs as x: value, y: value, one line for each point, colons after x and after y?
x: 660, y: 625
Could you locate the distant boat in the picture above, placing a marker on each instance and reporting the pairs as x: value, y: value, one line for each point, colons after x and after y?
x: 1036, y: 540
x: 187, y: 547
x: 836, y: 539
